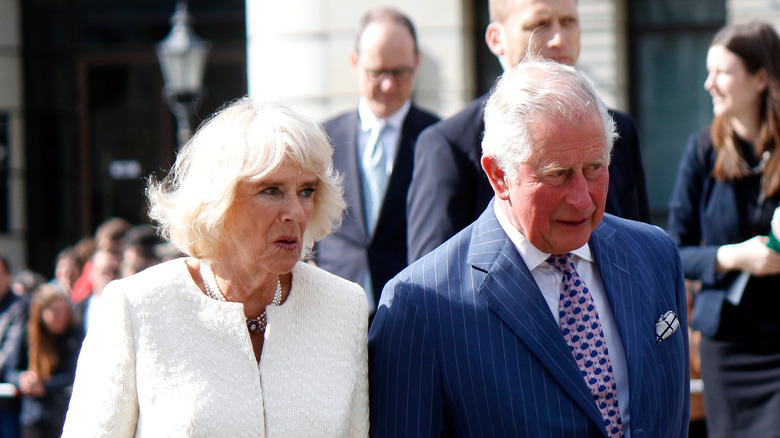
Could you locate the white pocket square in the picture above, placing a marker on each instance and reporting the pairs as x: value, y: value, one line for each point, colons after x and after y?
x: 666, y: 325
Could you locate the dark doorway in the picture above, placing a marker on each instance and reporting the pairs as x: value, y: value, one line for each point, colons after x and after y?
x: 96, y: 122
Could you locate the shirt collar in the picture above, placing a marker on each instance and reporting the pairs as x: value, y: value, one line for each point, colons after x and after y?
x: 532, y: 256
x: 368, y: 119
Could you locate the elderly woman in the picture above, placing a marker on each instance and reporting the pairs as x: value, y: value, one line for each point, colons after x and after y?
x: 240, y: 338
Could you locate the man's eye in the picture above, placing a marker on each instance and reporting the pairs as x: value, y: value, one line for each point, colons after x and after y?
x: 594, y: 170
x: 538, y: 26
x: 555, y: 177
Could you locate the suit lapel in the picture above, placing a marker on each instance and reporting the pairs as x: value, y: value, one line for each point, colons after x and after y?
x: 514, y: 296
x: 625, y: 292
x: 395, y: 195
x: 345, y: 154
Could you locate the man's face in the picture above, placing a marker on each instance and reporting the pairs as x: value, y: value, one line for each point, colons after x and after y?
x: 105, y: 267
x: 385, y: 66
x: 550, y: 27
x: 557, y: 198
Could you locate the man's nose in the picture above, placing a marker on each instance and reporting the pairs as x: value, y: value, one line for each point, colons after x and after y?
x: 578, y: 195
x: 556, y: 36
x: 387, y: 81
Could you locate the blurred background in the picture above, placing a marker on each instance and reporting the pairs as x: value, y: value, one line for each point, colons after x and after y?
x: 84, y: 118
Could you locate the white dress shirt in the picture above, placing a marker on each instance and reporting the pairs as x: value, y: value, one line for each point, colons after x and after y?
x: 549, y: 281
x: 390, y: 136
x: 389, y: 142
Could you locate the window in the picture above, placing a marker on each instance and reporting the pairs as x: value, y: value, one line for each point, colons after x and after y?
x: 668, y: 42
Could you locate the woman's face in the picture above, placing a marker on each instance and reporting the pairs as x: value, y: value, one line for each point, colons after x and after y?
x: 56, y: 316
x: 735, y: 92
x: 268, y: 218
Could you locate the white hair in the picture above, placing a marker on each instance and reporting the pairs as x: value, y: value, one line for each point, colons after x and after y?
x: 535, y: 90
x: 244, y: 141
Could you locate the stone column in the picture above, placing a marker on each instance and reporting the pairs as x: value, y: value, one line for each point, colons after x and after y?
x: 297, y: 53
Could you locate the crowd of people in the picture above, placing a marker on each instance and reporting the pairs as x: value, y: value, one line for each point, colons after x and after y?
x: 390, y: 274
x: 43, y: 322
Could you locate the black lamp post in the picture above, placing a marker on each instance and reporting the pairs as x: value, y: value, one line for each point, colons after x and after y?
x: 182, y: 56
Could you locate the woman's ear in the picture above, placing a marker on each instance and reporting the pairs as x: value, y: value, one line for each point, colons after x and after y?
x: 762, y: 80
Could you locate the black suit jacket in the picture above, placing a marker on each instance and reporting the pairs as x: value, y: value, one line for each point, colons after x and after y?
x: 349, y: 251
x: 449, y: 189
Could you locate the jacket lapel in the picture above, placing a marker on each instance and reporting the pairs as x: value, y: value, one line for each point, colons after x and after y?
x: 394, y: 202
x: 625, y: 291
x: 514, y: 296
x: 346, y: 155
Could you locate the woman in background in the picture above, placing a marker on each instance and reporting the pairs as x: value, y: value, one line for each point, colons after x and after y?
x: 45, y: 362
x: 727, y: 190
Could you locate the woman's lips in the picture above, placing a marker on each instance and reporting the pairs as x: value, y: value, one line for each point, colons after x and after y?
x: 287, y: 242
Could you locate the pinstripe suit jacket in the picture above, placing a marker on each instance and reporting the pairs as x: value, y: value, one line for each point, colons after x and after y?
x: 463, y: 343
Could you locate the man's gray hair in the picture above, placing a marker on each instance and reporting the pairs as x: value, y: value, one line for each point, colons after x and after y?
x: 536, y: 90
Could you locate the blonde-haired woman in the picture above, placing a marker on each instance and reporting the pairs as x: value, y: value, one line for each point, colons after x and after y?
x: 239, y: 338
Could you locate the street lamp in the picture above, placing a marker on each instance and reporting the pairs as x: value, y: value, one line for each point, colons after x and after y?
x: 182, y: 56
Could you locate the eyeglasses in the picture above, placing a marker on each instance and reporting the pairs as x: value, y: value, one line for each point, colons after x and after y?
x: 400, y: 74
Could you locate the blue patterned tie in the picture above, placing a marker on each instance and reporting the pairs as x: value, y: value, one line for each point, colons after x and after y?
x: 582, y: 330
x: 374, y: 175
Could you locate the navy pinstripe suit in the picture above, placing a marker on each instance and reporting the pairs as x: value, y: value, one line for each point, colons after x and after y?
x: 463, y: 343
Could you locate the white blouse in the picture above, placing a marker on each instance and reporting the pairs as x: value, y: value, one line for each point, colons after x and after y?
x: 162, y: 359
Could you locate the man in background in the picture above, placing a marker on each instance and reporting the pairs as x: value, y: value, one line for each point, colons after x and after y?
x: 373, y: 150
x: 105, y: 267
x: 449, y: 190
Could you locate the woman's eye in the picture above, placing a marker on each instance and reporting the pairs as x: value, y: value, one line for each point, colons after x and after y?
x: 308, y: 193
x: 270, y: 191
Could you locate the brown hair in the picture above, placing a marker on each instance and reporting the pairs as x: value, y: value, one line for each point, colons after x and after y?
x: 758, y: 46
x: 43, y: 356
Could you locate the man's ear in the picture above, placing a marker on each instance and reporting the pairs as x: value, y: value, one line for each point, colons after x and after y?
x: 496, y: 176
x: 354, y: 63
x: 494, y: 37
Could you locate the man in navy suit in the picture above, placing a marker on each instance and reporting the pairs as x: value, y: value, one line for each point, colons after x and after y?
x: 449, y: 189
x: 370, y: 246
x: 481, y: 337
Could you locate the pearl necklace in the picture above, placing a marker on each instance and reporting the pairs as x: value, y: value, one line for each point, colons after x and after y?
x: 254, y: 325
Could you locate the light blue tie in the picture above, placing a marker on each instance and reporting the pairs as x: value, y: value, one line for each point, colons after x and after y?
x: 374, y: 175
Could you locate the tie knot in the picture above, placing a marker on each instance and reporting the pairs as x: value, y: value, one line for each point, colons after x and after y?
x: 561, y: 262
x: 379, y: 125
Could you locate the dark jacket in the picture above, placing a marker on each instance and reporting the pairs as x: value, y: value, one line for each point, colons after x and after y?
x: 13, y: 319
x: 449, y: 189
x: 704, y: 214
